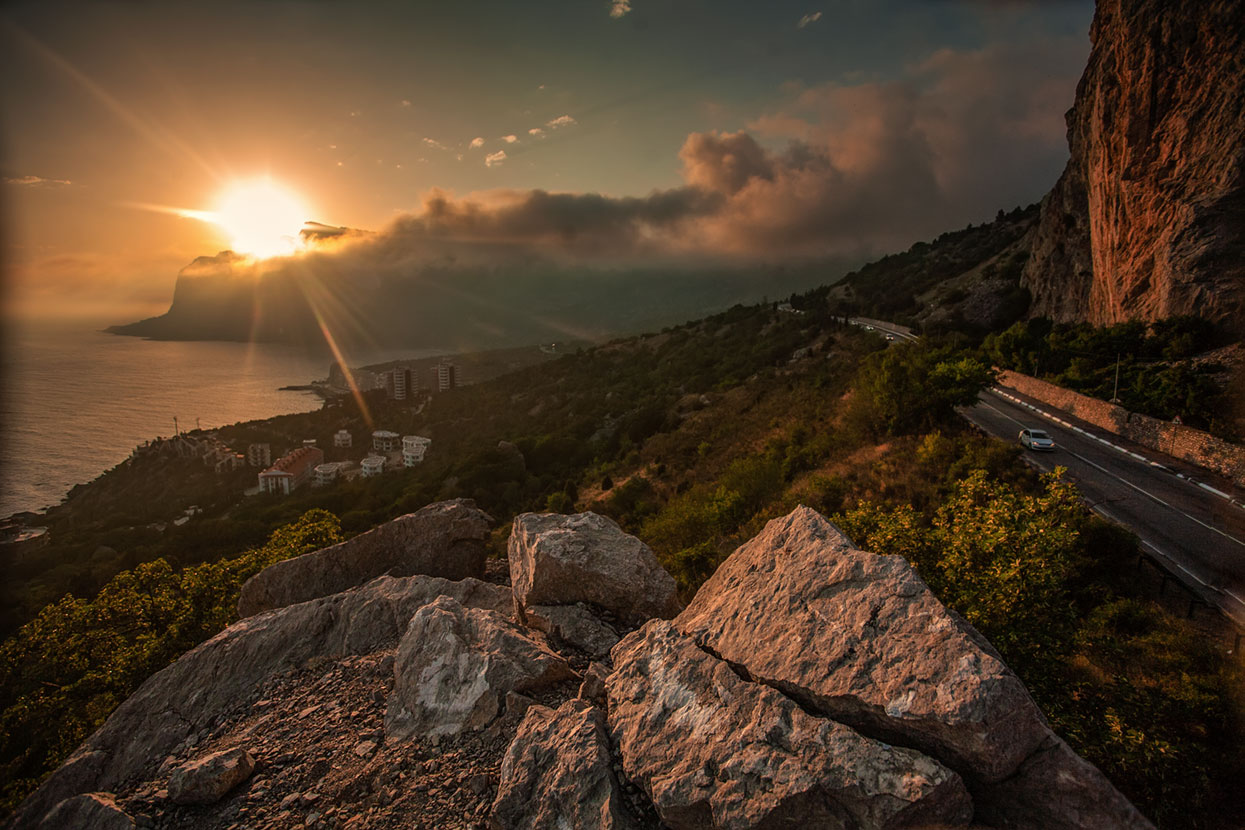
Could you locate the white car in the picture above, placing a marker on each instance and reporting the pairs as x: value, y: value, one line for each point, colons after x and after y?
x: 1036, y: 439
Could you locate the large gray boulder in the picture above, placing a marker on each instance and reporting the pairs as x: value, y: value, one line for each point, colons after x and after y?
x: 221, y: 674
x: 446, y: 539
x: 558, y: 774
x: 714, y: 750
x: 557, y: 559
x: 859, y: 638
x: 455, y: 665
x: 208, y: 779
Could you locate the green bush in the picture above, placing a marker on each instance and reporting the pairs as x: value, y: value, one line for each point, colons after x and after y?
x: 78, y: 659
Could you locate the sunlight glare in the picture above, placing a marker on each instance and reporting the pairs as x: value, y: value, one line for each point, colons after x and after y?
x: 261, y: 217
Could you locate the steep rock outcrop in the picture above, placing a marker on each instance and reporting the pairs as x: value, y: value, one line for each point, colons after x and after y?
x: 859, y: 638
x: 455, y: 665
x: 1148, y: 219
x: 219, y: 675
x: 447, y: 539
x: 714, y: 750
x: 558, y: 774
x: 558, y: 560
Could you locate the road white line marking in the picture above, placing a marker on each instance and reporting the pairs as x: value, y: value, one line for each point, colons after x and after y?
x: 1117, y: 447
x: 1130, y: 484
x: 1156, y: 498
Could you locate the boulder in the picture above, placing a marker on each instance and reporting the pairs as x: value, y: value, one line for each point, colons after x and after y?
x: 206, y: 780
x: 574, y: 626
x: 557, y: 559
x: 447, y: 539
x: 714, y: 750
x: 859, y: 638
x: 96, y: 811
x: 220, y: 674
x: 558, y: 774
x: 455, y: 665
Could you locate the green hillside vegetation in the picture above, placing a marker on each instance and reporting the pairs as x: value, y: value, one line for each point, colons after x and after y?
x: 1158, y: 372
x: 891, y: 288
x: 66, y: 670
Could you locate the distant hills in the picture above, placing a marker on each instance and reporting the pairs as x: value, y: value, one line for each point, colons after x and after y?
x: 454, y: 306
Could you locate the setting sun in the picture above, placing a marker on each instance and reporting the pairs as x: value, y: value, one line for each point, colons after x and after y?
x: 261, y: 217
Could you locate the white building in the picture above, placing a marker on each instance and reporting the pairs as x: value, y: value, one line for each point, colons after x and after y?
x: 447, y: 376
x: 342, y: 438
x: 373, y: 465
x: 327, y: 473
x: 413, y: 449
x: 384, y: 441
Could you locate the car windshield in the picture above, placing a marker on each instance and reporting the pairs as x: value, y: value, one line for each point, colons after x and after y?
x: 1039, y: 434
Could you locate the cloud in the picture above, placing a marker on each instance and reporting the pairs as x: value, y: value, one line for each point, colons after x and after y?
x: 808, y: 19
x: 510, y: 139
x: 560, y: 122
x: 36, y: 181
x: 836, y: 170
x: 536, y: 132
x: 478, y: 141
x: 618, y: 8
x: 405, y: 103
x: 432, y: 142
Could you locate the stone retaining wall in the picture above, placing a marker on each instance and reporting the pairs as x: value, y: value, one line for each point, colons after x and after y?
x: 1192, y: 445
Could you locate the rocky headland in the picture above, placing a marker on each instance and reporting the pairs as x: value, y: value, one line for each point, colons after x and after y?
x: 400, y: 679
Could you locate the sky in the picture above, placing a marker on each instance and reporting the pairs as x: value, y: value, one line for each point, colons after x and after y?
x: 598, y: 131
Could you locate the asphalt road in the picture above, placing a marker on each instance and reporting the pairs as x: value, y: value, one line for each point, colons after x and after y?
x: 1196, y: 535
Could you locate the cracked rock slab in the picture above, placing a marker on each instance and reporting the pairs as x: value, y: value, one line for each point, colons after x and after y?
x: 455, y: 666
x: 447, y: 539
x: 558, y: 774
x: 557, y: 559
x: 714, y: 750
x: 859, y: 638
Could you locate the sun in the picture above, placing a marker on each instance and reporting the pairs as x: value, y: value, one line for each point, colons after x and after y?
x: 261, y: 217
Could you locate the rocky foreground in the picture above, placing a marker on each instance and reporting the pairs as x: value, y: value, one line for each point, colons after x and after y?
x: 396, y: 680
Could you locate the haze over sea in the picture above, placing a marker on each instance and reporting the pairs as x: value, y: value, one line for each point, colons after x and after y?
x: 77, y: 400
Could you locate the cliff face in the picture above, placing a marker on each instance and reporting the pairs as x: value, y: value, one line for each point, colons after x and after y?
x: 1148, y: 219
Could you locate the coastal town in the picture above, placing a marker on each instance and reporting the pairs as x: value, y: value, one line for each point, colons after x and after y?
x: 301, y: 462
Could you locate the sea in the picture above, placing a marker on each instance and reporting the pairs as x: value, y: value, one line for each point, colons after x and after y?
x: 76, y: 400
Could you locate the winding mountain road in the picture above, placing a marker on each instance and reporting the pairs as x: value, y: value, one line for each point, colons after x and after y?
x: 1194, y: 533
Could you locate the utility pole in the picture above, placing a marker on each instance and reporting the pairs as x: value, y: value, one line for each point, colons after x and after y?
x: 1115, y: 396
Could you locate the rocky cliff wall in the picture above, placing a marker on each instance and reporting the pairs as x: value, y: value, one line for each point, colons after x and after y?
x: 1148, y: 219
x: 1176, y: 440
